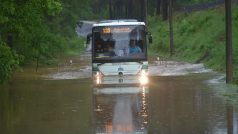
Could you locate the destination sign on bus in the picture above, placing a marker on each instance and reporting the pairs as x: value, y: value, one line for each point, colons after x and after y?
x: 108, y: 30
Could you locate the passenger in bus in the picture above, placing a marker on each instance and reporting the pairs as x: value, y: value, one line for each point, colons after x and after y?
x: 134, y: 48
x: 110, y: 51
x: 99, y: 48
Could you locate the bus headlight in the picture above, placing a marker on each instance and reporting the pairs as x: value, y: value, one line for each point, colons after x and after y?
x: 98, y: 78
x: 144, y: 77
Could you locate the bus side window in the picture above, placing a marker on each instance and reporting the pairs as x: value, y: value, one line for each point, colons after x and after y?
x: 89, y: 36
x: 140, y: 44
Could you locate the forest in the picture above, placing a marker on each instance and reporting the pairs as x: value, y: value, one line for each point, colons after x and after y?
x: 35, y: 31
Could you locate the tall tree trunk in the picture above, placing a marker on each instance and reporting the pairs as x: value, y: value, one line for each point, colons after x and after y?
x: 158, y: 5
x: 165, y: 9
x: 130, y: 9
x: 229, y: 56
x: 142, y: 10
x: 171, y: 27
x: 145, y: 10
x: 110, y: 9
x: 126, y: 9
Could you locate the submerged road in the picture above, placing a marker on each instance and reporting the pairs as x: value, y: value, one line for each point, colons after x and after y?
x: 181, y: 98
x: 62, y: 100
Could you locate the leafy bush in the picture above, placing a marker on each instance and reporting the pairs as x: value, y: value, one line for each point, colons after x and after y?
x: 8, y: 60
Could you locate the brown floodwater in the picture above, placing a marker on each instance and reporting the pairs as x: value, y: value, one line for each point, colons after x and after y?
x: 171, y: 104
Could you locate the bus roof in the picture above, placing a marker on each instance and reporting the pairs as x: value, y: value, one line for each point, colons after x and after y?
x: 118, y: 23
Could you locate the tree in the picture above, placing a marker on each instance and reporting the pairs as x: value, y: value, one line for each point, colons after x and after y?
x: 165, y: 9
x: 158, y: 5
x: 229, y: 66
x: 8, y: 60
x: 171, y: 27
x: 18, y: 22
x: 110, y: 9
x: 131, y: 9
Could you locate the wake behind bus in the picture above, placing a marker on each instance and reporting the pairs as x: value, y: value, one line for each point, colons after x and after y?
x: 119, y: 52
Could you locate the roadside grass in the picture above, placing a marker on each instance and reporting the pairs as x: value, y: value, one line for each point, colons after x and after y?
x: 72, y: 47
x: 75, y: 46
x: 198, y: 37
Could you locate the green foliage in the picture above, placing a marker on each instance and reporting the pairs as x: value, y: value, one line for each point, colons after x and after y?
x: 25, y: 24
x: 198, y: 37
x: 40, y: 30
x: 74, y: 11
x: 53, y: 7
x: 8, y: 60
x: 75, y: 46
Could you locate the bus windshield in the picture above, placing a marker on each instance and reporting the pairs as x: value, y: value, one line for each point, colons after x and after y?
x: 119, y: 43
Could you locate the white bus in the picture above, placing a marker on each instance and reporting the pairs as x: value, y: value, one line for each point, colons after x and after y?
x: 119, y: 52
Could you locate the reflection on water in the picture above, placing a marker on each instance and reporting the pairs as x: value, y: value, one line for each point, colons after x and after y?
x: 171, y: 105
x: 186, y: 105
x: 230, y: 126
x: 122, y: 111
x: 46, y: 107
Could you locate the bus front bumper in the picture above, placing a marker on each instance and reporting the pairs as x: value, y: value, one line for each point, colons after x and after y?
x: 141, y: 79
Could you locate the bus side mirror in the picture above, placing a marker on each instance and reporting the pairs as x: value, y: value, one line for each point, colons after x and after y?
x: 88, y: 38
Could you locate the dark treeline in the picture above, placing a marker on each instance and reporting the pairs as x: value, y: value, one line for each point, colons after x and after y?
x: 161, y: 7
x: 128, y: 9
x: 139, y: 9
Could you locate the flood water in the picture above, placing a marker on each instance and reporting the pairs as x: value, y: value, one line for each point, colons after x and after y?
x: 170, y: 104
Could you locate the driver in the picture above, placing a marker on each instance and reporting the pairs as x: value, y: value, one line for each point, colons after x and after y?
x: 134, y: 48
